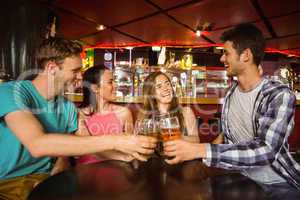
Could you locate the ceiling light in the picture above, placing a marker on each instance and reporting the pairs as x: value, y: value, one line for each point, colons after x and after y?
x: 156, y: 48
x: 100, y: 27
x: 206, y: 26
x: 129, y: 48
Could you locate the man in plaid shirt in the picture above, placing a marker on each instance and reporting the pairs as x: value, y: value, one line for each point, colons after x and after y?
x: 257, y: 119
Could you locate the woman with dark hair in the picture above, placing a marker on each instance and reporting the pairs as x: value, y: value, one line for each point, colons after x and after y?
x: 99, y: 115
x: 160, y: 99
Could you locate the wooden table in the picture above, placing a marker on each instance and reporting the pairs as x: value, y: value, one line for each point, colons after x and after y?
x: 154, y: 180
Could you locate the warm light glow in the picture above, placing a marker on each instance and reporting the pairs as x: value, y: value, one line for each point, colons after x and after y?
x: 156, y: 48
x: 198, y: 33
x: 166, y: 43
x: 219, y: 47
x: 123, y: 62
x: 284, y: 52
x: 100, y: 27
x: 180, y: 44
x: 163, y: 70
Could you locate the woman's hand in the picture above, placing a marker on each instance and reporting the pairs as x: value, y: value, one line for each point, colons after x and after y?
x: 182, y: 150
x: 127, y: 158
x: 137, y: 146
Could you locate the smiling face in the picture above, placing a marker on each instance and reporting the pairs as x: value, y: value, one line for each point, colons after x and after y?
x: 231, y: 59
x: 107, y: 89
x: 163, y: 89
x: 68, y: 72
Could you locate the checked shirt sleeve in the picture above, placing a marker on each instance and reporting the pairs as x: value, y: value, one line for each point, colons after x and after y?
x: 276, y: 122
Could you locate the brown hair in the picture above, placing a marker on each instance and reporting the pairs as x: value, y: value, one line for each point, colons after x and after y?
x: 56, y: 49
x: 150, y: 109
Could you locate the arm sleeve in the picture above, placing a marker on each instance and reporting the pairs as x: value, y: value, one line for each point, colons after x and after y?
x: 11, y: 99
x: 275, y: 125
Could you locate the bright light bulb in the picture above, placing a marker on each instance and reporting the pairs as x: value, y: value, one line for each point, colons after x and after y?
x: 100, y: 27
x: 129, y: 48
x: 156, y: 48
x: 198, y: 33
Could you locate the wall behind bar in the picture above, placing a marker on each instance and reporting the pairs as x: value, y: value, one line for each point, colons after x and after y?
x: 22, y: 27
x: 201, y: 58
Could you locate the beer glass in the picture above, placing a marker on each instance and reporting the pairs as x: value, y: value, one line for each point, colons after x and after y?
x: 147, y: 127
x: 169, y: 128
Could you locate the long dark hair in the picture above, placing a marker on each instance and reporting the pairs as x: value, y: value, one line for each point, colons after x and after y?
x: 91, y: 76
x: 150, y: 109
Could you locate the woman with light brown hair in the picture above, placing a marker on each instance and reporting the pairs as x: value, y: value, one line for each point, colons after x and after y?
x: 160, y: 99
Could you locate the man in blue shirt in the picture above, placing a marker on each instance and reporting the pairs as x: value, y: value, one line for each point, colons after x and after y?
x: 35, y: 117
x: 257, y: 118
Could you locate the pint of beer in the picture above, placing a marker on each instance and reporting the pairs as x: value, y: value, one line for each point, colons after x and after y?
x: 170, y: 134
x: 170, y: 129
x: 147, y: 127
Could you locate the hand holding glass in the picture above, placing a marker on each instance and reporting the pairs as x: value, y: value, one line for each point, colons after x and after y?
x: 147, y: 127
x: 170, y: 129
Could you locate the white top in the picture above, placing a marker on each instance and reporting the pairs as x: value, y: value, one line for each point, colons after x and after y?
x: 240, y: 125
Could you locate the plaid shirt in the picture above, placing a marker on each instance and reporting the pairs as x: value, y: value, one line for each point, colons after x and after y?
x: 273, y: 122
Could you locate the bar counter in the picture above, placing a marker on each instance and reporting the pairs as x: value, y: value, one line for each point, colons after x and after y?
x: 76, y: 97
x: 183, y: 100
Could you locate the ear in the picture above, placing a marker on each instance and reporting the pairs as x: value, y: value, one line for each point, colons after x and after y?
x: 94, y: 88
x: 51, y: 68
x: 246, y: 55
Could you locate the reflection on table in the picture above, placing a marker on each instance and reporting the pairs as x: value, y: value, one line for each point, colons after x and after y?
x: 152, y: 180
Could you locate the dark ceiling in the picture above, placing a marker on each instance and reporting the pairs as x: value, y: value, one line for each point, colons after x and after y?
x: 173, y: 22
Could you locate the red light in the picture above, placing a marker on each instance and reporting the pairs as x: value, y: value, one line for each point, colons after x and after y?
x: 180, y: 44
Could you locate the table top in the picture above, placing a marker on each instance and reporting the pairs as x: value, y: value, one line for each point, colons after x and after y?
x: 116, y: 180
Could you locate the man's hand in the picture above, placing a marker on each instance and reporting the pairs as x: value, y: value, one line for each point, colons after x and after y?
x: 61, y: 164
x: 137, y: 146
x: 219, y: 139
x: 182, y: 150
x: 191, y: 138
